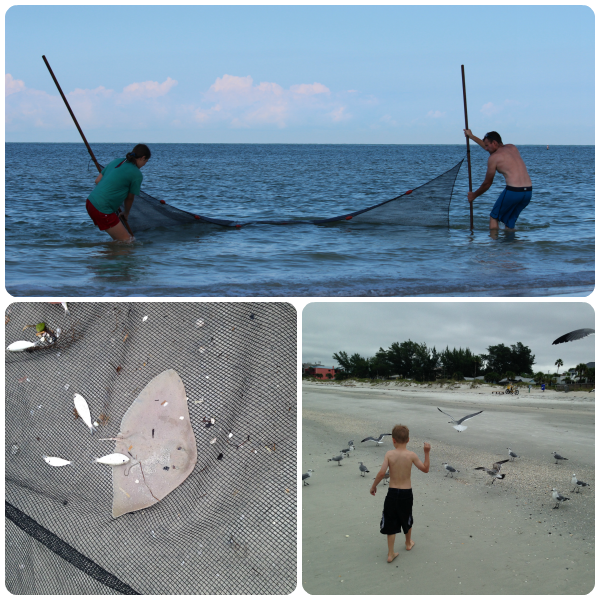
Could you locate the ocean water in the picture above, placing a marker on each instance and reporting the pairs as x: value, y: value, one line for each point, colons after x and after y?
x: 53, y: 248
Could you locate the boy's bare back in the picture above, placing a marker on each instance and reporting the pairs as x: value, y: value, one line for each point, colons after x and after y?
x: 400, y: 462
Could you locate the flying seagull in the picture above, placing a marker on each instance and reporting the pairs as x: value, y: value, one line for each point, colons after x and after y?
x: 573, y: 335
x: 558, y: 457
x: 363, y: 470
x: 306, y: 476
x: 575, y: 482
x: 457, y: 424
x: 337, y: 459
x: 512, y: 454
x: 494, y: 472
x: 450, y: 470
x: 558, y: 498
x: 378, y: 440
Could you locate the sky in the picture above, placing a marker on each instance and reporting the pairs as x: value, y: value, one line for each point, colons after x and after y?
x: 364, y: 327
x: 300, y: 74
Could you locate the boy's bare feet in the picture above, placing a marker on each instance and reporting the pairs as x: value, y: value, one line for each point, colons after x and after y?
x: 409, y: 545
x: 391, y: 558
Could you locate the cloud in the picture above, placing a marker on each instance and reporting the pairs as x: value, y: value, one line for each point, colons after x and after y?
x: 241, y: 103
x: 388, y: 120
x: 308, y: 89
x: 490, y: 109
x: 436, y: 114
x: 147, y: 89
x: 339, y: 114
x: 12, y: 86
x: 231, y: 101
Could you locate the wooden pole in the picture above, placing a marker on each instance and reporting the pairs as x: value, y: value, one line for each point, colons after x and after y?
x: 462, y: 68
x: 121, y: 216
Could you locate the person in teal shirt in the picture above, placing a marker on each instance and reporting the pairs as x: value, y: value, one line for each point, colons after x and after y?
x: 118, y: 183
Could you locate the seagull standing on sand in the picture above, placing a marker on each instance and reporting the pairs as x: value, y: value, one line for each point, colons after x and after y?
x: 363, y: 470
x: 558, y: 457
x: 573, y: 335
x: 346, y: 451
x: 457, y: 424
x: 450, y: 470
x: 386, y: 477
x: 558, y: 498
x: 378, y: 440
x: 512, y: 454
x: 306, y: 476
x: 337, y: 459
x: 575, y: 482
x: 494, y: 472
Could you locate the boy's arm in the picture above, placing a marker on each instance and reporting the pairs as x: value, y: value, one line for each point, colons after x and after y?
x: 382, y: 471
x: 423, y: 466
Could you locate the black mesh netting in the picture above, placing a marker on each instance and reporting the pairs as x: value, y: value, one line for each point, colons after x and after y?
x: 230, y: 528
x: 428, y: 204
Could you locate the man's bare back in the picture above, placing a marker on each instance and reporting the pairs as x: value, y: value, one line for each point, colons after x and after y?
x: 507, y: 161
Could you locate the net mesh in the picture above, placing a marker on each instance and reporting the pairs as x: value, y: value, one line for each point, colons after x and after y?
x: 428, y: 204
x: 230, y: 528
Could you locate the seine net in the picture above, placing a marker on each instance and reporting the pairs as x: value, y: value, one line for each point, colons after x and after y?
x: 230, y: 527
x: 428, y: 204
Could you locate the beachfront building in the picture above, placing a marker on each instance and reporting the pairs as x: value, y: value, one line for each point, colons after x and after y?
x: 319, y: 371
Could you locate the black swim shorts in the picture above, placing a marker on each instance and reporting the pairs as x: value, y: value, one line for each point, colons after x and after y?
x: 397, y: 512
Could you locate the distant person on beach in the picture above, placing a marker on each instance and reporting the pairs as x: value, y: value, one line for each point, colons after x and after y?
x: 505, y: 159
x: 397, y: 508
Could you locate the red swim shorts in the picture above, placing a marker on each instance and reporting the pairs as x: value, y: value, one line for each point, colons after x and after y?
x: 103, y: 221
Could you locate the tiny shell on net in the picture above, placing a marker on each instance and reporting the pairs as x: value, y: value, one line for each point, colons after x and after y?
x: 55, y: 461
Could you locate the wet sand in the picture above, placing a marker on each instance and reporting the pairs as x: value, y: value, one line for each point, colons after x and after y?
x: 470, y: 537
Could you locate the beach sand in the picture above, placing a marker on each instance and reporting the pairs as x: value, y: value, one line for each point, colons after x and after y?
x: 470, y: 537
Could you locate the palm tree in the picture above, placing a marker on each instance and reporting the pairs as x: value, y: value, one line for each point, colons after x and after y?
x: 559, y: 363
x: 581, y: 369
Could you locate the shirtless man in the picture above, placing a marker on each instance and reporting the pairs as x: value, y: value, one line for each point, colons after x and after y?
x: 397, y: 508
x: 505, y: 159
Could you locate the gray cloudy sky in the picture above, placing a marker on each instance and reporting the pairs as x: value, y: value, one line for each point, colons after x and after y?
x: 364, y: 327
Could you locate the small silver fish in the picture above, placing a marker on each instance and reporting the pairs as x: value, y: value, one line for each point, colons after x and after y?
x: 20, y: 346
x: 54, y: 461
x: 83, y: 411
x: 113, y: 460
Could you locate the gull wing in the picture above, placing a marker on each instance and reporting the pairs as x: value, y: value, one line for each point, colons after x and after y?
x: 468, y: 416
x: 446, y: 414
x: 372, y: 439
x: 573, y: 335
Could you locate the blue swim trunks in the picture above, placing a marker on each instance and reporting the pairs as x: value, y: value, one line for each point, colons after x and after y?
x: 510, y: 203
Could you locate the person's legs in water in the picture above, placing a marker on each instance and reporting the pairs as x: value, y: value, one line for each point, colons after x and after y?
x: 119, y: 233
x: 508, y: 207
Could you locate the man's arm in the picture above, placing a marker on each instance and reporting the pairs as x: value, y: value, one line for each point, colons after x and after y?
x: 487, y: 182
x: 469, y: 134
x: 97, y: 181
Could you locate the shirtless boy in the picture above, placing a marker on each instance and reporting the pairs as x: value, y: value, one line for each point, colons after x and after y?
x: 505, y: 159
x: 397, y: 508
